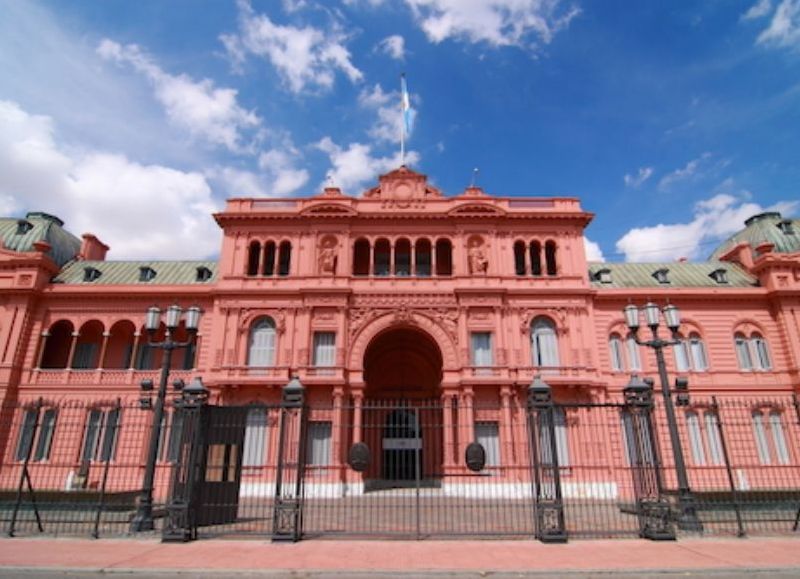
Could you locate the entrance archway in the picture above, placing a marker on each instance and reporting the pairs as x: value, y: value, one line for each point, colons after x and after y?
x: 402, y: 363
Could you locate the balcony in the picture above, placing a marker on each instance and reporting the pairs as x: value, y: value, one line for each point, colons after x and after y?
x: 98, y: 376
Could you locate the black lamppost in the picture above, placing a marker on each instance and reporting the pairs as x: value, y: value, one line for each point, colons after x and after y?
x: 143, y: 520
x: 687, y: 519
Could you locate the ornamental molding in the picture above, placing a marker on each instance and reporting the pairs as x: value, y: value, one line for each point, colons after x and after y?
x: 249, y: 315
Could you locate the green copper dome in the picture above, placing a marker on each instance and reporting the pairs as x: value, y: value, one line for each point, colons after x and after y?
x: 768, y: 227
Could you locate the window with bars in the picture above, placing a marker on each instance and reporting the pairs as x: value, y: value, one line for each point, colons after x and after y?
x: 318, y: 452
x: 100, y: 435
x: 487, y: 434
x: 43, y: 438
x: 562, y: 439
x: 704, y: 438
x: 769, y: 437
x: 255, y: 438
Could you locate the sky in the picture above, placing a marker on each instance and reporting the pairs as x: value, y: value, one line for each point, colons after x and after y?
x: 671, y: 121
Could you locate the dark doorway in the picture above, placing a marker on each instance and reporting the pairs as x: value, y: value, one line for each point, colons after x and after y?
x: 402, y: 446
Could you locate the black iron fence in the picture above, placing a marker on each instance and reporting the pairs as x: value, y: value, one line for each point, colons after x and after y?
x: 519, y: 464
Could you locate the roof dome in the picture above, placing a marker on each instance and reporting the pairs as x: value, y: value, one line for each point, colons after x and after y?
x: 767, y: 227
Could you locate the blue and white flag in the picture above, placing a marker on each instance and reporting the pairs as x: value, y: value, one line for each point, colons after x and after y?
x: 405, y: 107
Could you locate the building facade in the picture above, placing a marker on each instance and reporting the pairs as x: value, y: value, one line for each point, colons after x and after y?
x: 399, y: 295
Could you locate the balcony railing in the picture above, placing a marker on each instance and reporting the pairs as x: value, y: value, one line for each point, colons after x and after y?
x: 98, y: 376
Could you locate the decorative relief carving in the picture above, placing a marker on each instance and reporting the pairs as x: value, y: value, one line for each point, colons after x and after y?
x: 478, y: 261
x: 327, y: 259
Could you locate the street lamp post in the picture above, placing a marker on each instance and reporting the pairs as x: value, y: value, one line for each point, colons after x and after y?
x: 687, y: 519
x: 143, y: 520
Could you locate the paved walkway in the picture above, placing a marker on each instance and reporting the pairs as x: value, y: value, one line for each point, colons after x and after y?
x: 395, y: 557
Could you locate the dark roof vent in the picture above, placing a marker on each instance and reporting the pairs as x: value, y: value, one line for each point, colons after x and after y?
x: 661, y: 275
x: 719, y: 275
x: 203, y: 273
x: 146, y: 273
x: 91, y: 273
x: 760, y: 216
x: 23, y: 226
x: 603, y: 275
x: 786, y: 226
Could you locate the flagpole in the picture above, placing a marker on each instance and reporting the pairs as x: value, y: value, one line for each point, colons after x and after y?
x: 402, y: 124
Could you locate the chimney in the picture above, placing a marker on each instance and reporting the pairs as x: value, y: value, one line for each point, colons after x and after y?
x: 92, y: 249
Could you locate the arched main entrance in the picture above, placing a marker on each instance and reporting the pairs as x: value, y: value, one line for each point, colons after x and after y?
x: 402, y: 409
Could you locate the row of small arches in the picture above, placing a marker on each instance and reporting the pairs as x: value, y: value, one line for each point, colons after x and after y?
x: 534, y: 258
x: 269, y: 258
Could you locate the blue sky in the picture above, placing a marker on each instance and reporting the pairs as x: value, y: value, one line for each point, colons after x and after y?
x: 672, y: 121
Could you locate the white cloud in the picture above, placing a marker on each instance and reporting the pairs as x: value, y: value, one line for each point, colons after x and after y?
x: 784, y: 27
x: 758, y: 10
x: 198, y: 107
x: 386, y: 107
x: 593, y: 251
x: 690, y: 171
x: 713, y: 219
x: 279, y: 166
x: 355, y: 166
x: 141, y: 211
x: 305, y: 57
x: 496, y: 22
x: 394, y: 46
x: 641, y: 176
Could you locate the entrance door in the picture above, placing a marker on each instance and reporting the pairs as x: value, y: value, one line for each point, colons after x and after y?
x: 402, y: 446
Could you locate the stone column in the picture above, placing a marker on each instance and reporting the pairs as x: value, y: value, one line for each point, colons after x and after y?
x: 358, y: 399
x: 507, y: 459
x: 466, y: 422
x: 448, y: 440
x: 73, y: 344
x: 101, y: 360
x: 337, y: 426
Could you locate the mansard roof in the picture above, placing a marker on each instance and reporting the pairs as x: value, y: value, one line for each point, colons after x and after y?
x: 681, y: 275
x: 20, y: 235
x: 769, y: 227
x: 130, y: 273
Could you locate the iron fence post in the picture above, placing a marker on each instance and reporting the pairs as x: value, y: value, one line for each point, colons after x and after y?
x: 726, y: 457
x: 288, y: 511
x: 549, y: 503
x: 180, y: 525
x: 652, y: 508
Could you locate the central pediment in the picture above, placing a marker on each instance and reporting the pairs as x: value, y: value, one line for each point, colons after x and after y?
x: 403, y: 186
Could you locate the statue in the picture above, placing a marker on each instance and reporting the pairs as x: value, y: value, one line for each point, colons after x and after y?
x: 478, y: 262
x: 327, y: 257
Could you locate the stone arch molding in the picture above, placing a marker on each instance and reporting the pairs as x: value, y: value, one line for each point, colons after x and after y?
x: 402, y: 319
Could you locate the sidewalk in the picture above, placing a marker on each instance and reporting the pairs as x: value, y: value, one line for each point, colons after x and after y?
x: 393, y: 557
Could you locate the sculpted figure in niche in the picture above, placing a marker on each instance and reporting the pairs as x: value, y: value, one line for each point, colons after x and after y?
x: 327, y: 256
x: 478, y: 262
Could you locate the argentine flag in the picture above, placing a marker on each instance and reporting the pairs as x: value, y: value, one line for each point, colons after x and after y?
x: 405, y: 107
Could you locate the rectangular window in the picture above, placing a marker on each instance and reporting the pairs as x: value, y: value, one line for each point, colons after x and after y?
x: 743, y: 354
x: 255, y: 438
x: 482, y: 349
x: 695, y: 438
x: 637, y: 440
x: 634, y: 361
x: 26, y: 435
x: 762, y: 354
x: 760, y: 435
x: 318, y: 452
x: 100, y: 435
x: 615, y: 350
x: 487, y: 434
x: 699, y: 358
x: 681, y: 356
x: 714, y: 441
x: 45, y: 438
x: 562, y: 441
x: 175, y: 435
x: 324, y: 350
x: 781, y: 450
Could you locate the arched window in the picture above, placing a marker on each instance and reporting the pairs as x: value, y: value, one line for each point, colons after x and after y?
x: 252, y: 258
x: 769, y: 436
x: 615, y: 350
x: 87, y: 347
x: 119, y: 352
x: 550, y: 257
x: 382, y: 257
x: 57, y: 345
x: 268, y: 263
x: 361, y: 257
x: 402, y: 257
x: 761, y: 351
x: 544, y: 343
x: 704, y: 439
x: 261, y: 350
x: 423, y: 257
x: 255, y: 437
x: 634, y: 361
x: 536, y: 258
x: 681, y: 351
x: 285, y: 258
x: 743, y: 352
x: 698, y: 349
x: 519, y: 258
x: 444, y: 257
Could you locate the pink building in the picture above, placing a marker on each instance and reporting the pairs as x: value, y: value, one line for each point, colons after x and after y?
x: 402, y: 298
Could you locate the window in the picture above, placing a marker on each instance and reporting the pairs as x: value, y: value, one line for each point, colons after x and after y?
x: 752, y: 353
x: 637, y: 440
x: 634, y: 362
x: 482, y: 349
x: 402, y: 258
x: 562, y: 443
x: 761, y: 350
x: 261, y: 352
x: 255, y: 438
x: 203, y: 274
x: 704, y: 438
x: 285, y: 258
x: 690, y: 354
x: 444, y: 257
x: 769, y: 438
x: 91, y: 273
x: 487, y: 434
x: 84, y: 357
x: 615, y: 349
x: 319, y: 444
x: 719, y: 275
x: 147, y: 274
x: 324, y: 350
x: 550, y: 257
x: 423, y: 258
x: 698, y: 349
x: 268, y: 263
x: 44, y: 435
x: 253, y: 255
x: 661, y: 275
x: 743, y: 352
x: 681, y: 356
x: 361, y: 257
x: 175, y: 430
x: 100, y: 435
x: 544, y: 343
x: 519, y: 258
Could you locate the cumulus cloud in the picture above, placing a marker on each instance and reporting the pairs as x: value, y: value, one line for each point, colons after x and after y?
x: 198, y: 107
x: 783, y: 30
x: 713, y: 220
x: 386, y: 107
x: 497, y: 22
x: 305, y: 57
x: 141, y: 211
x: 354, y: 166
x: 758, y: 10
x: 690, y: 171
x: 394, y: 46
x: 593, y: 251
x: 640, y: 177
